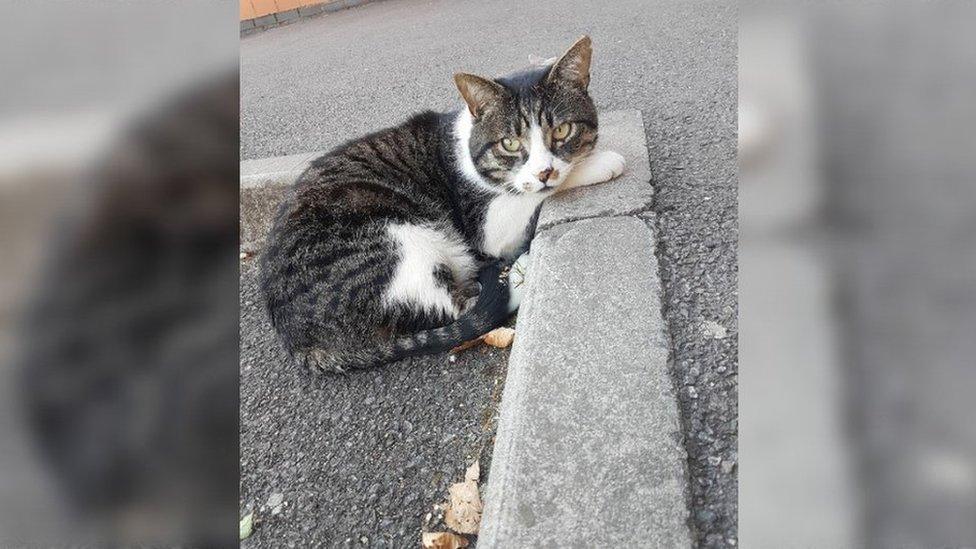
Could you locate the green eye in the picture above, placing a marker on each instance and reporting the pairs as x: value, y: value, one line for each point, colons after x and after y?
x: 562, y: 130
x: 511, y: 144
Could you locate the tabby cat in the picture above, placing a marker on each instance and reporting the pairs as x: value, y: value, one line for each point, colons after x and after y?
x: 396, y: 244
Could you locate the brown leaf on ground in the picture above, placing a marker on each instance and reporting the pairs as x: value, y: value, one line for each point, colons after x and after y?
x: 500, y: 337
x: 474, y: 472
x: 464, y: 511
x: 443, y: 540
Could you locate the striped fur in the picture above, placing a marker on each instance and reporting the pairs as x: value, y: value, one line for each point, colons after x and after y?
x: 380, y: 249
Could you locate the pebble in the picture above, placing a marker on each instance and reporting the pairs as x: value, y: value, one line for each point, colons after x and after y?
x: 705, y: 515
x: 275, y: 501
x: 714, y: 330
x: 713, y: 540
x: 728, y: 466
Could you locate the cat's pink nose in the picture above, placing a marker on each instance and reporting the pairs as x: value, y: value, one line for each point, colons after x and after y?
x: 544, y: 175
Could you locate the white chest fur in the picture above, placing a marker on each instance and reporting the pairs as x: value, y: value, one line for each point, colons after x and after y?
x: 508, y: 215
x: 504, y: 229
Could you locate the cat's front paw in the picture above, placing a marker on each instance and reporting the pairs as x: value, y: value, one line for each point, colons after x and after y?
x: 599, y: 167
x: 517, y: 280
x: 607, y: 165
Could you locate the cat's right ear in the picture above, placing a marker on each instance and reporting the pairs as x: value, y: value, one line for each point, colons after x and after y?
x: 573, y: 67
x: 478, y: 92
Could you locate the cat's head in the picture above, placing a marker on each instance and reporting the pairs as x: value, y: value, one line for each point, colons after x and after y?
x: 526, y: 131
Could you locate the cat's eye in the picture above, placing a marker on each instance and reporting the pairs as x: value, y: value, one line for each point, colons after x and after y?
x: 562, y: 131
x: 511, y: 144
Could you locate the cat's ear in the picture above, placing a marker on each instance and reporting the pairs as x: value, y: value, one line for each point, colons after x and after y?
x: 573, y: 67
x: 478, y: 92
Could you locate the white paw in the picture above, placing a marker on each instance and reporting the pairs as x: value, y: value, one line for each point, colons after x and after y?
x: 516, y: 281
x: 607, y: 165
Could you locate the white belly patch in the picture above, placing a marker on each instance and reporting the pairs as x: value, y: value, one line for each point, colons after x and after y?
x: 422, y: 250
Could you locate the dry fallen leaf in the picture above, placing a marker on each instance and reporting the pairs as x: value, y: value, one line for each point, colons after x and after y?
x: 464, y: 508
x: 500, y: 337
x: 247, y: 525
x: 474, y: 472
x: 443, y: 540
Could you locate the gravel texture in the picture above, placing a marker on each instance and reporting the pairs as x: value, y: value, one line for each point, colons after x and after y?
x: 313, y: 84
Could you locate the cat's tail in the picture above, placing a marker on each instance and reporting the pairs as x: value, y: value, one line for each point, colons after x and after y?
x: 489, y: 312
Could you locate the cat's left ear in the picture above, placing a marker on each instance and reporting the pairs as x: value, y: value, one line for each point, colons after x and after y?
x: 573, y: 67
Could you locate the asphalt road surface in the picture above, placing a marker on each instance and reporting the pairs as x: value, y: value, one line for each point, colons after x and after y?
x: 340, y: 449
x: 357, y: 457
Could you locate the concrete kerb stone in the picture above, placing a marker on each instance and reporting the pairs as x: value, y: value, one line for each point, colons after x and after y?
x: 292, y: 164
x: 264, y: 183
x: 588, y: 451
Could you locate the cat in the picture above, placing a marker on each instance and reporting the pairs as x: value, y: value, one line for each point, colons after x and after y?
x: 397, y: 244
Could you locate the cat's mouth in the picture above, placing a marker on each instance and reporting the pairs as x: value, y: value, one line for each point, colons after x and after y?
x: 537, y: 186
x: 530, y: 187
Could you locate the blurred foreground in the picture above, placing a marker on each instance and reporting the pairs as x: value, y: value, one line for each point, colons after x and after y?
x: 118, y: 282
x: 858, y: 276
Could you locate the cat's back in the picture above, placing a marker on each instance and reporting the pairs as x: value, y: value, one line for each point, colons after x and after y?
x: 392, y: 175
x: 403, y: 159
